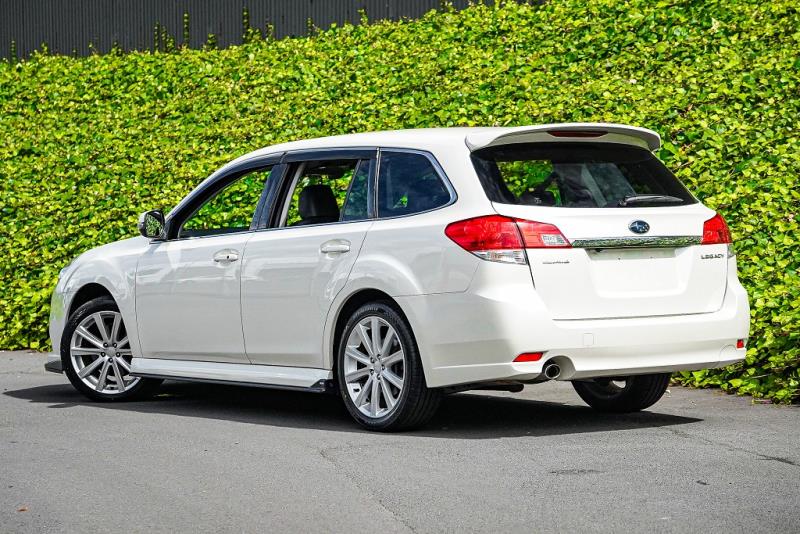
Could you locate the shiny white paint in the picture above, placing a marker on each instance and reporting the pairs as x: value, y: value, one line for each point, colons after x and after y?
x: 112, y: 266
x: 273, y: 375
x: 412, y: 256
x: 470, y: 317
x: 616, y: 133
x: 625, y: 283
x: 288, y: 284
x: 187, y: 304
x: 474, y: 336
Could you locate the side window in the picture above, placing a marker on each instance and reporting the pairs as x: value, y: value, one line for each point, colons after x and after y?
x: 231, y: 209
x: 408, y: 183
x: 356, y: 206
x: 320, y: 189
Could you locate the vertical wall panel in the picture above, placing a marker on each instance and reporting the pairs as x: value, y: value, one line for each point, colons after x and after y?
x: 67, y: 25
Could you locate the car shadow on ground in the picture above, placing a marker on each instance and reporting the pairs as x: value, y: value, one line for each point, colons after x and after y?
x: 462, y: 416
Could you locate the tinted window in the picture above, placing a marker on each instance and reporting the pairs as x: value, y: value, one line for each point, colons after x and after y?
x: 231, y: 209
x: 408, y: 183
x: 356, y: 206
x: 577, y: 175
x: 319, y: 192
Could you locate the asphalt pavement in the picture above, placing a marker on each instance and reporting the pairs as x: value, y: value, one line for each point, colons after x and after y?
x: 202, y: 458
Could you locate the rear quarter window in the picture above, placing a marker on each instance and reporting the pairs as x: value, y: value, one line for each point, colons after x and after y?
x: 408, y: 183
x: 577, y: 175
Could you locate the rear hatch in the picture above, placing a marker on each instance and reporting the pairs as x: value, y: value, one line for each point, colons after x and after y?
x: 632, y: 232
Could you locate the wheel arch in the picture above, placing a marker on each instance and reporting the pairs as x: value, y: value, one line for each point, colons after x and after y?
x: 349, y: 304
x: 86, y: 293
x: 93, y: 277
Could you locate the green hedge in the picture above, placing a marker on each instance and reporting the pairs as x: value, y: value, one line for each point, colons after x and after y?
x: 89, y: 143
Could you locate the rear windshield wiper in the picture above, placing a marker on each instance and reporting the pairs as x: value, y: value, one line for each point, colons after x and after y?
x: 632, y: 200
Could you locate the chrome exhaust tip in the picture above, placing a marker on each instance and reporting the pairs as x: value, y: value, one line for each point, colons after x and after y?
x: 551, y: 371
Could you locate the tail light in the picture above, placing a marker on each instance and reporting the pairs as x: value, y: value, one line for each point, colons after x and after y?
x: 715, y: 231
x: 503, y: 239
x: 541, y: 235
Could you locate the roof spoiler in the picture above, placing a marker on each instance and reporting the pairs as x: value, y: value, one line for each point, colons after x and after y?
x: 597, y: 131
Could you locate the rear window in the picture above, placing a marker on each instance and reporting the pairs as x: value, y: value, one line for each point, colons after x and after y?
x: 577, y: 175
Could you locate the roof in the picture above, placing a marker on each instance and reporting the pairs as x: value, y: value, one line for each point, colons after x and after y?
x: 402, y: 138
x: 474, y: 138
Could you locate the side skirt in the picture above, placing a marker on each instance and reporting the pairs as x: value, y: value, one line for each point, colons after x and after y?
x: 269, y: 376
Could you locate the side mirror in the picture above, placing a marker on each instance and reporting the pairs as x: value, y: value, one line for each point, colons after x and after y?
x: 151, y: 224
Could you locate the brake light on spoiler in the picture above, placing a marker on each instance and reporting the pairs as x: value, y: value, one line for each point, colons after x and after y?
x: 504, y: 239
x: 577, y: 133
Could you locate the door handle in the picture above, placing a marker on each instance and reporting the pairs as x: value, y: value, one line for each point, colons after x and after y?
x: 226, y: 256
x: 335, y: 246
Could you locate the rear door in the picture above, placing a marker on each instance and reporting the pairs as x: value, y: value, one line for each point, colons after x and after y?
x: 296, y: 265
x: 634, y: 230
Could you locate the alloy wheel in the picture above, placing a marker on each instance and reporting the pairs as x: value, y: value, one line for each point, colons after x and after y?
x: 374, y: 367
x: 100, y: 353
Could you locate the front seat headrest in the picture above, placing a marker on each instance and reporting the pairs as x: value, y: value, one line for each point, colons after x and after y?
x: 317, y: 205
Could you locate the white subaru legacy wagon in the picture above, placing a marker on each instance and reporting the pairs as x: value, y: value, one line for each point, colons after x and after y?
x: 395, y: 267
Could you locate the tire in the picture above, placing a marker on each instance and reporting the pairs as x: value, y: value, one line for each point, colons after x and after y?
x: 98, y: 355
x: 396, y: 408
x: 607, y: 395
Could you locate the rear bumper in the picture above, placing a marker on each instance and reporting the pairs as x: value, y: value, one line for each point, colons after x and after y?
x: 474, y: 336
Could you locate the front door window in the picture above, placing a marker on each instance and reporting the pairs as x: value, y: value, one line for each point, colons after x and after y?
x: 230, y: 210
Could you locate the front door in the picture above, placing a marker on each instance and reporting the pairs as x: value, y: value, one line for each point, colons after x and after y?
x: 292, y: 271
x: 188, y: 288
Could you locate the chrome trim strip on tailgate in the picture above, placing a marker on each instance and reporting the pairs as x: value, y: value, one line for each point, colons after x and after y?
x: 638, y: 242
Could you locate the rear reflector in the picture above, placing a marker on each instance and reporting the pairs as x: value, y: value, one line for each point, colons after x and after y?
x: 740, y: 343
x: 503, y: 239
x: 529, y: 357
x: 715, y: 231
